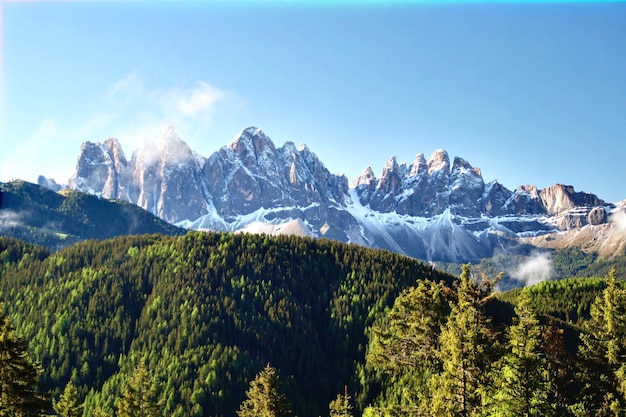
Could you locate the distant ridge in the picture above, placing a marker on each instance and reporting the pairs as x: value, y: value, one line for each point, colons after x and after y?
x: 434, y: 209
x: 58, y: 219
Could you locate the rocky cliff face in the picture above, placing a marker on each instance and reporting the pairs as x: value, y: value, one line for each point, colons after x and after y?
x: 431, y: 209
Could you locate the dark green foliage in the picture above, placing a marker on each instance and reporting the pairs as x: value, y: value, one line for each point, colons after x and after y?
x: 404, y: 345
x: 565, y: 263
x: 20, y: 391
x: 521, y: 383
x: 207, y: 311
x: 467, y: 351
x: 603, y: 353
x: 432, y: 352
x: 58, y: 220
x: 572, y: 262
x: 492, y: 364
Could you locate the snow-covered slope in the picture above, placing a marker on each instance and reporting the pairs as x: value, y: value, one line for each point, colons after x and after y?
x: 431, y: 209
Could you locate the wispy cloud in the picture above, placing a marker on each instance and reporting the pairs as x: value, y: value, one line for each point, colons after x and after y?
x: 534, y: 269
x: 9, y: 219
x: 200, y: 100
x: 139, y: 111
x: 618, y: 220
x: 130, y: 110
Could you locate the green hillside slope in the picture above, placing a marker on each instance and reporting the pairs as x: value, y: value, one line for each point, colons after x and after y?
x: 205, y: 311
x: 56, y: 220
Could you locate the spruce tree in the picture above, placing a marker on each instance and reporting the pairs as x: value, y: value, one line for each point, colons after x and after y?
x: 141, y: 395
x: 521, y: 386
x: 404, y: 347
x: 69, y: 404
x: 20, y: 392
x: 409, y: 336
x: 603, y: 353
x: 466, y: 352
x: 263, y: 397
x: 340, y: 406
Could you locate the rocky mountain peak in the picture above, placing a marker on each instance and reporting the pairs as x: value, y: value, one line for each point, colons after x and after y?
x: 366, y: 177
x: 431, y: 209
x: 419, y: 165
x: 97, y: 168
x: 114, y: 149
x: 174, y: 150
x: 439, y: 161
x: 391, y: 167
x: 365, y: 185
x: 461, y: 167
x: 251, y: 143
x: 558, y: 198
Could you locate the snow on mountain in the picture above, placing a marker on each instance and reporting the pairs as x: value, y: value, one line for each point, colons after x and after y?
x: 431, y: 209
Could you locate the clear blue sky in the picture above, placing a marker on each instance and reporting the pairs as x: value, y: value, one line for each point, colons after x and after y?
x: 531, y: 93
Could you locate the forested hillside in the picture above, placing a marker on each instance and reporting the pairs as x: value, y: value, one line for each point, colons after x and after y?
x: 57, y: 220
x: 563, y: 263
x: 555, y: 349
x: 213, y: 324
x: 204, y: 313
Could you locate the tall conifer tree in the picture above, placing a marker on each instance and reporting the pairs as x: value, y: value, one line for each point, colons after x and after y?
x: 69, y: 405
x: 521, y: 386
x: 264, y: 398
x: 20, y: 392
x: 141, y: 395
x: 340, y: 406
x: 466, y: 352
x: 404, y: 347
x: 603, y: 351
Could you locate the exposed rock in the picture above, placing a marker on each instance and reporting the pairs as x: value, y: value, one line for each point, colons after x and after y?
x: 365, y: 185
x: 97, y: 168
x: 430, y: 209
x: 494, y: 198
x: 49, y: 183
x: 597, y: 216
x: 559, y: 198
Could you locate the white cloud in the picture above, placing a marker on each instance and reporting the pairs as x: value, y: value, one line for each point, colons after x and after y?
x: 130, y: 84
x: 618, y: 220
x: 129, y: 110
x: 141, y: 112
x: 198, y: 100
x: 535, y: 269
x: 9, y: 219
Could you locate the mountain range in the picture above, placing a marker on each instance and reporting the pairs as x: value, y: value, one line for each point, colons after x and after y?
x: 434, y: 209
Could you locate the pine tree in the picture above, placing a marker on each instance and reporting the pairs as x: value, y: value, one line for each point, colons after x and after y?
x: 521, y: 378
x: 603, y: 353
x: 263, y: 397
x: 68, y: 404
x: 404, y: 347
x: 466, y: 352
x: 409, y: 337
x: 20, y: 394
x: 141, y: 395
x: 340, y: 406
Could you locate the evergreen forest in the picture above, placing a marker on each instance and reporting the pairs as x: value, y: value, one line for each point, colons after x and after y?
x: 217, y: 324
x: 56, y: 220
